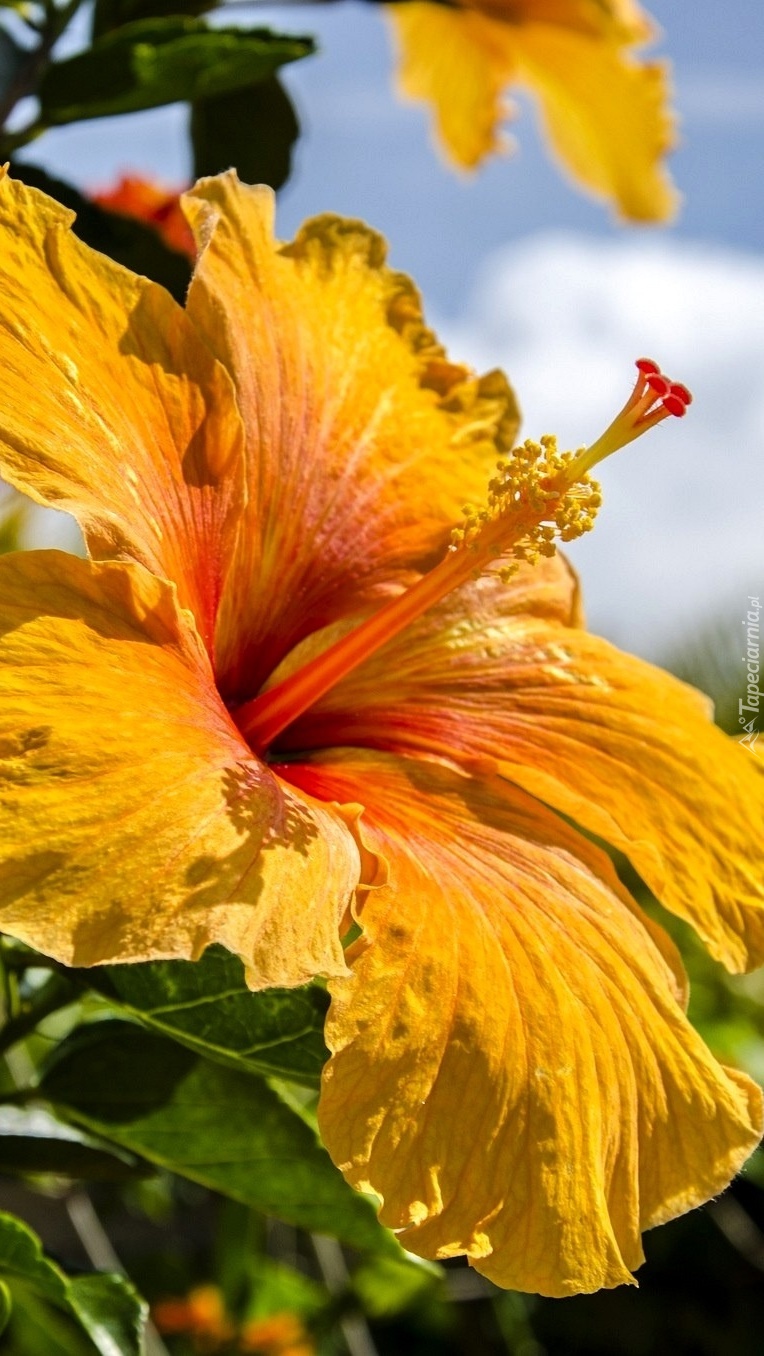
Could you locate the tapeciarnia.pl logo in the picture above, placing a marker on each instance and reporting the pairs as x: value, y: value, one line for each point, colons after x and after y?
x: 749, y: 706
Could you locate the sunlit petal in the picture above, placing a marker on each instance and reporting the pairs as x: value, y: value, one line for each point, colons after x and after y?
x: 112, y: 407
x: 362, y: 438
x: 135, y: 823
x: 512, y: 1071
x: 623, y: 748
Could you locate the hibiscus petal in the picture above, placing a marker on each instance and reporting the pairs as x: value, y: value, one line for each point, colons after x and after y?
x: 112, y: 407
x: 135, y: 823
x: 459, y: 62
x: 605, y: 113
x: 623, y: 748
x: 511, y: 1070
x: 363, y: 439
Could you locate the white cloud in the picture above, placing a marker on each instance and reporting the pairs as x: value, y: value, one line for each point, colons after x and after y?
x: 681, y: 532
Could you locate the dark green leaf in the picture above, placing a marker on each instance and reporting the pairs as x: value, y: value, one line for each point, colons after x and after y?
x: 5, y: 1306
x: 12, y: 58
x: 207, y: 1006
x: 128, y: 242
x: 162, y: 61
x: 227, y: 1130
x: 111, y: 14
x: 32, y: 1141
x: 252, y: 129
x: 107, y: 1307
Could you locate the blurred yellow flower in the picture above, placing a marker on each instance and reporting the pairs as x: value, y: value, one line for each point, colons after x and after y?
x: 274, y: 703
x: 200, y: 1315
x: 281, y: 1334
x: 605, y: 112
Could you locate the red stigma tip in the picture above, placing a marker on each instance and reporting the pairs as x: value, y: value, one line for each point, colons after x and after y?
x: 681, y: 392
x: 674, y: 404
x: 647, y: 366
x: 659, y: 384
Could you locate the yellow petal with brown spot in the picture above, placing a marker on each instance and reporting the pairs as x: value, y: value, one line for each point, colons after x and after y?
x: 136, y: 824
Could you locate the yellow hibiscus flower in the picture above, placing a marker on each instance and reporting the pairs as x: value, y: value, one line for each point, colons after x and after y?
x: 604, y: 112
x: 274, y: 705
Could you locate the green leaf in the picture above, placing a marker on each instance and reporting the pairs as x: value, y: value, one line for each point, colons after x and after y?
x: 162, y: 61
x: 38, y: 1328
x: 106, y: 1307
x: 111, y: 14
x: 32, y: 1141
x: 207, y: 1006
x: 253, y: 128
x: 388, y: 1285
x: 128, y: 242
x: 227, y: 1130
x: 110, y: 1311
x: 6, y: 1305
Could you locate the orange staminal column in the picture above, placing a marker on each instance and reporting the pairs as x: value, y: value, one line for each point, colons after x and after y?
x: 537, y: 495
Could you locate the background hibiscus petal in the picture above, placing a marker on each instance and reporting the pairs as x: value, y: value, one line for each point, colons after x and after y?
x: 623, y: 748
x: 511, y: 1070
x: 363, y: 439
x: 605, y: 113
x: 112, y: 407
x: 459, y: 62
x: 135, y: 823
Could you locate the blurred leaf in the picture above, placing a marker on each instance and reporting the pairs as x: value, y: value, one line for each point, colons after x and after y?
x: 207, y: 1006
x: 754, y: 1168
x: 107, y: 1307
x: 5, y: 1306
x: 162, y: 61
x: 128, y: 242
x: 13, y: 511
x: 253, y: 129
x: 388, y: 1285
x: 37, y: 1328
x: 711, y: 659
x: 276, y: 1288
x: 227, y: 1130
x: 111, y: 14
x: 32, y: 1141
x: 12, y: 58
x: 23, y: 1156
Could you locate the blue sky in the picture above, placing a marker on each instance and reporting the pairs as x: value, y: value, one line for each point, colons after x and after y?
x: 520, y: 270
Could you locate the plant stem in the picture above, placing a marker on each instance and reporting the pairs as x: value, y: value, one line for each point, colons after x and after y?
x: 331, y: 1263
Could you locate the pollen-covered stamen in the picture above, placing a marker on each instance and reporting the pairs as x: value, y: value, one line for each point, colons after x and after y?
x: 653, y: 399
x: 537, y: 495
